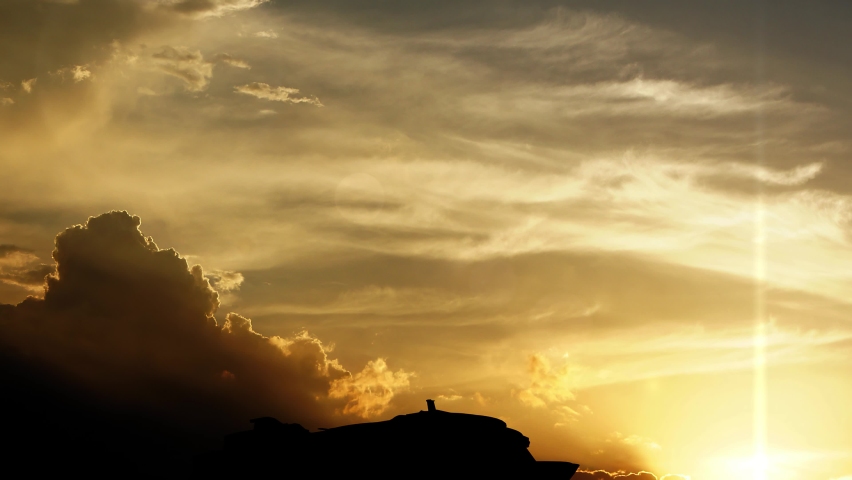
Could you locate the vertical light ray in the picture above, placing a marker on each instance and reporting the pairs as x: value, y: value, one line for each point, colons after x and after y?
x: 759, y: 407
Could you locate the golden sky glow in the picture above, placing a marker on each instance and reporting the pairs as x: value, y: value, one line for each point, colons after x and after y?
x: 622, y: 229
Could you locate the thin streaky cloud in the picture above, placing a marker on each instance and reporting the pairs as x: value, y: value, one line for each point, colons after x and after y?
x: 264, y: 91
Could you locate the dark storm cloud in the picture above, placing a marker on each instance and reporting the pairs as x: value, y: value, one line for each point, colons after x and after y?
x: 132, y: 326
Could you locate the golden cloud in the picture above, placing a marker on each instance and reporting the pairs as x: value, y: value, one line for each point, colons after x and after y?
x: 370, y: 391
x: 185, y: 64
x: 547, y: 384
x: 27, y: 85
x: 231, y: 60
x: 78, y: 73
x: 224, y: 280
x: 209, y: 8
x: 264, y: 91
x: 605, y: 475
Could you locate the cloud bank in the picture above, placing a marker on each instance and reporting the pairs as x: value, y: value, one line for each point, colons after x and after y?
x: 132, y: 326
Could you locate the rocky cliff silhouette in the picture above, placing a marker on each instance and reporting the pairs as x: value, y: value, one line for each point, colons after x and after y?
x: 431, y: 442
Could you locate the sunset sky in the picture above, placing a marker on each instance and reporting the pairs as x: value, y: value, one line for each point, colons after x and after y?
x: 623, y: 227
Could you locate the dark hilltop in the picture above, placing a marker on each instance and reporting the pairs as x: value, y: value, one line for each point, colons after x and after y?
x: 423, y: 443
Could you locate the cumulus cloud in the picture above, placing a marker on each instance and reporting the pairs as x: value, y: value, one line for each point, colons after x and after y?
x: 6, y: 101
x: 133, y: 325
x: 185, y: 64
x: 78, y: 73
x: 231, y: 60
x: 266, y: 34
x: 277, y: 94
x: 370, y: 391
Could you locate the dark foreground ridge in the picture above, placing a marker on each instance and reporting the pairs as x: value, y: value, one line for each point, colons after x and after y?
x: 407, y: 446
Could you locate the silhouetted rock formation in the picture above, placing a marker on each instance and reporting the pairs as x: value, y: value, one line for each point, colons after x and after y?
x: 430, y: 442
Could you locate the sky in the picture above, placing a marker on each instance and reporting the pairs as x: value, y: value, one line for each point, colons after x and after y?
x: 622, y: 227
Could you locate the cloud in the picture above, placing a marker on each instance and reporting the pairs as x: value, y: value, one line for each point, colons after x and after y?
x: 224, y: 280
x: 20, y: 267
x: 604, y: 475
x: 132, y: 325
x: 638, y: 97
x: 78, y: 73
x: 450, y: 398
x: 266, y: 34
x: 40, y: 37
x: 377, y: 300
x: 185, y: 64
x: 796, y: 176
x: 10, y: 250
x: 370, y: 391
x: 547, y: 384
x: 6, y: 101
x: 31, y: 278
x: 27, y: 85
x: 634, y: 441
x: 230, y: 60
x: 277, y: 94
x: 675, y: 476
x: 209, y: 8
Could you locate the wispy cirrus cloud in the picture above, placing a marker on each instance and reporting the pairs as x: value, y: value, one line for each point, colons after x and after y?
x: 21, y: 267
x: 209, y: 8
x: 264, y: 91
x: 266, y: 34
x: 231, y: 61
x: 186, y: 64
